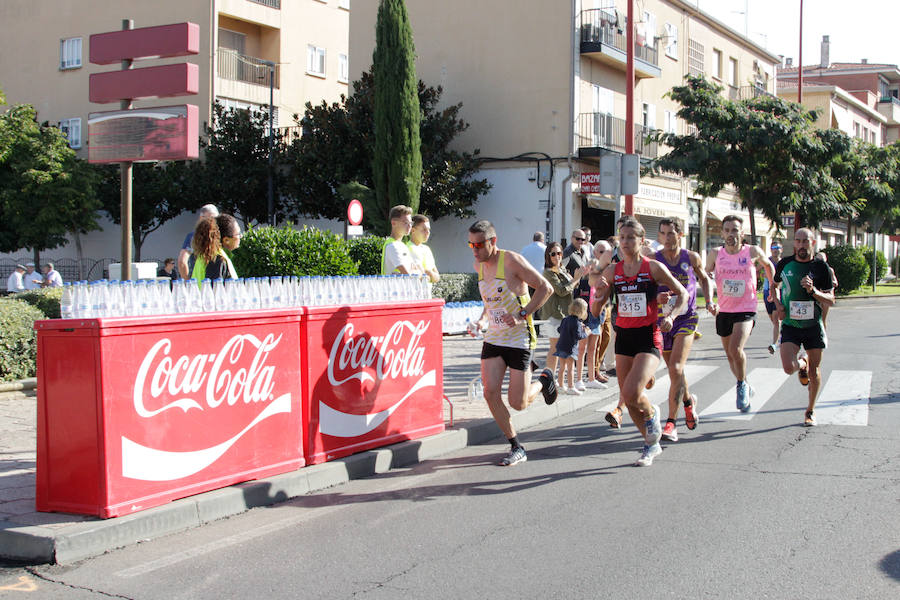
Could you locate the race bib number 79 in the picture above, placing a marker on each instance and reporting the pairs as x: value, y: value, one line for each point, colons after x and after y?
x: 734, y: 288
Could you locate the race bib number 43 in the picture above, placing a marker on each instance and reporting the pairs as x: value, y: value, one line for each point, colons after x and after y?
x: 734, y: 288
x: 632, y: 305
x: 801, y: 310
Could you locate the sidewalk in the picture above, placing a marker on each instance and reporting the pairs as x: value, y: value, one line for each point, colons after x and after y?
x: 34, y: 537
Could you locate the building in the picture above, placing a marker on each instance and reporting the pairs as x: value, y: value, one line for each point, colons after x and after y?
x: 306, y: 39
x: 543, y: 87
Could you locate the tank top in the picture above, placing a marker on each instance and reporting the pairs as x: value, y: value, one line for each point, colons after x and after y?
x: 683, y: 271
x: 736, y: 281
x: 499, y: 299
x: 635, y: 296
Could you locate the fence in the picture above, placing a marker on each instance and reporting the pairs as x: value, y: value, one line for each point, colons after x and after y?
x: 92, y: 268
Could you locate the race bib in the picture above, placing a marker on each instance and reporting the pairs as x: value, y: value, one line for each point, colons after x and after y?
x: 497, y: 317
x: 734, y: 288
x: 802, y: 310
x: 632, y: 305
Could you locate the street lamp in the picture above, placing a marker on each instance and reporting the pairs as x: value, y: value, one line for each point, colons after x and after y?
x: 271, y: 190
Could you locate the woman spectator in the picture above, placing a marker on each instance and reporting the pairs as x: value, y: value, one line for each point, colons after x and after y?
x: 557, y: 306
x: 212, y: 237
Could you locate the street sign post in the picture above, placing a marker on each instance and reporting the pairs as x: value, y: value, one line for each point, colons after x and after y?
x: 353, y: 225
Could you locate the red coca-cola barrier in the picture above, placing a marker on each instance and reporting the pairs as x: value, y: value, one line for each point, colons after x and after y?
x: 135, y: 412
x: 374, y: 375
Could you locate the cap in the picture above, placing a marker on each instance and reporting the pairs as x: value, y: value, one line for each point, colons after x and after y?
x: 29, y: 264
x: 20, y: 267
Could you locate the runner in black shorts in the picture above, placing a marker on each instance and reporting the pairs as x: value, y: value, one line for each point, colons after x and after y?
x: 774, y: 258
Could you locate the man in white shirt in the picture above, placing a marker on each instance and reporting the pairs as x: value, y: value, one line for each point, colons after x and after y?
x: 15, y: 283
x: 534, y: 252
x: 395, y: 256
x: 33, y: 279
x: 52, y: 278
x: 421, y: 253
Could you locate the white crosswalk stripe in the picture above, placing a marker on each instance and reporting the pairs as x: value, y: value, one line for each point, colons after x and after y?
x: 765, y: 383
x: 659, y: 395
x: 844, y: 399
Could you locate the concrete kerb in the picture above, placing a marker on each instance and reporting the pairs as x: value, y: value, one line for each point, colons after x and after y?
x: 65, y: 545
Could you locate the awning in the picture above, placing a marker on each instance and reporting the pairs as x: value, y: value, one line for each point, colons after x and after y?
x: 600, y: 202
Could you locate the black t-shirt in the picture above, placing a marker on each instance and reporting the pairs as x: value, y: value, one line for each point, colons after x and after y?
x: 575, y: 261
x: 789, y: 272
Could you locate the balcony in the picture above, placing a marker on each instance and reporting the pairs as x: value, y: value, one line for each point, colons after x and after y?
x: 889, y: 107
x: 747, y: 92
x: 599, y: 133
x: 276, y: 4
x: 234, y: 66
x: 604, y: 42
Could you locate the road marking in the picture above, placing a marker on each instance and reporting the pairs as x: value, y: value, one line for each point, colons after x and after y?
x: 765, y: 383
x: 659, y: 395
x: 844, y: 400
x: 26, y: 584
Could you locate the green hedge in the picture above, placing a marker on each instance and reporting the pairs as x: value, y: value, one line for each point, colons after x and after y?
x: 849, y: 266
x: 880, y: 264
x: 271, y: 251
x: 46, y: 300
x: 457, y: 287
x: 366, y: 251
x: 18, y: 340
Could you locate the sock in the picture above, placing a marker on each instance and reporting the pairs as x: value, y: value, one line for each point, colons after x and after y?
x: 514, y: 442
x: 670, y: 421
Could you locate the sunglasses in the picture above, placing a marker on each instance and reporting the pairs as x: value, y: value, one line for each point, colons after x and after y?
x: 479, y: 245
x: 555, y: 253
x: 580, y: 239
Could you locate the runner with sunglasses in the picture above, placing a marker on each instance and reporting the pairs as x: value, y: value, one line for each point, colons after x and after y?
x: 509, y: 339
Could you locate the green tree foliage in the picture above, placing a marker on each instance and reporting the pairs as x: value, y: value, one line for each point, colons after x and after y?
x: 272, y: 251
x: 881, y: 264
x: 849, y: 266
x: 366, y: 252
x: 397, y: 162
x: 332, y: 162
x: 18, y: 339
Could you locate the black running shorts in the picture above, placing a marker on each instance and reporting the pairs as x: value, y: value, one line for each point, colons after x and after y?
x: 515, y: 358
x: 631, y: 341
x: 725, y: 321
x: 807, y: 337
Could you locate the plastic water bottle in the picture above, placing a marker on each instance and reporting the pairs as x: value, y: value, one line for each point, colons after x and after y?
x: 66, y: 302
x: 194, y: 302
x: 207, y: 298
x: 475, y: 390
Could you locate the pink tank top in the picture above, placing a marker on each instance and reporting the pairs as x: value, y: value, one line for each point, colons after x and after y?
x: 736, y: 281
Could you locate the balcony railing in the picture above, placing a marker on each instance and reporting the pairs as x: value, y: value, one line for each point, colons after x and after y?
x: 599, y: 130
x: 596, y: 29
x: 747, y: 92
x: 890, y: 99
x: 239, y: 67
x: 291, y: 133
x: 270, y: 3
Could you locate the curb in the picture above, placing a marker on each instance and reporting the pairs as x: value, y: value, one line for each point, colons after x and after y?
x: 35, y: 544
x: 19, y: 385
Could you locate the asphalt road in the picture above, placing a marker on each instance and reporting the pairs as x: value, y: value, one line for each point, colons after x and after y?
x: 750, y: 507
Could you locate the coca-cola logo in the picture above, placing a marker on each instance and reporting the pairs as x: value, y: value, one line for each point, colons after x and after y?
x: 217, y: 380
x: 397, y: 355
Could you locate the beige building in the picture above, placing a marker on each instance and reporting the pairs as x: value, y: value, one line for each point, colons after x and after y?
x: 46, y: 62
x: 543, y: 85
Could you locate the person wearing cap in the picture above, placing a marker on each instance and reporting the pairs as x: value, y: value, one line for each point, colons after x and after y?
x: 15, y: 283
x: 775, y: 256
x: 33, y: 279
x: 184, y: 268
x: 52, y: 278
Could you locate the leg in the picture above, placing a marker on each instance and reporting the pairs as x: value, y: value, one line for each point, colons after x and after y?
x: 522, y: 391
x: 789, y: 362
x: 734, y: 348
x: 551, y: 360
x: 591, y: 356
x: 492, y: 371
x: 632, y: 384
x: 579, y: 365
x: 605, y: 338
x: 567, y: 365
x: 814, y: 359
x: 776, y: 327
x: 675, y: 361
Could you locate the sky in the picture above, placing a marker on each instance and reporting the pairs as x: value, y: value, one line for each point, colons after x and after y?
x: 857, y: 29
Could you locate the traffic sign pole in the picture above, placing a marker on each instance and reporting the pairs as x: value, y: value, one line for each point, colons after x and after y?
x: 125, y: 174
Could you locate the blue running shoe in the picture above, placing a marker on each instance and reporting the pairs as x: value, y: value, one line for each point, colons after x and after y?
x: 648, y: 453
x: 653, y: 429
x: 744, y: 392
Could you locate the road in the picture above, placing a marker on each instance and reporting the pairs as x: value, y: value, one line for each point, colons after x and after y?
x: 745, y: 506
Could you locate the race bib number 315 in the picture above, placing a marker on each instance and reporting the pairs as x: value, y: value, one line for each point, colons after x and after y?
x: 632, y: 305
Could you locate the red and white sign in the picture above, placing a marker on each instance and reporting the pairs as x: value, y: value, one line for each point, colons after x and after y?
x: 590, y: 183
x: 355, y: 212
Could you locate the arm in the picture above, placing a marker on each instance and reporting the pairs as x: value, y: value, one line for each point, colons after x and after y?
x: 711, y: 306
x: 662, y: 275
x: 820, y: 288
x: 766, y: 264
x: 602, y: 289
x: 702, y: 278
x: 182, y: 262
x: 520, y: 268
x: 560, y: 288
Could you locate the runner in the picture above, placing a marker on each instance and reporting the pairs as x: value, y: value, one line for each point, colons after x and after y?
x: 687, y: 268
x: 806, y: 288
x: 509, y: 341
x: 734, y: 266
x: 638, y: 339
x: 774, y: 258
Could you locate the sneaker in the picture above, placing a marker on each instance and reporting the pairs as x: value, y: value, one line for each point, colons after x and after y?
x: 614, y: 417
x: 548, y: 386
x: 611, y: 372
x: 652, y: 429
x: 596, y: 385
x: 515, y: 456
x: 691, y: 418
x: 599, y: 376
x: 648, y: 453
x: 579, y: 385
x: 803, y: 373
x: 669, y: 433
x: 772, y: 348
x: 573, y: 392
x: 743, y: 393
x: 698, y: 335
x: 810, y: 420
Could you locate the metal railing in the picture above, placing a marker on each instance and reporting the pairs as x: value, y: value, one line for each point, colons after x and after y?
x: 270, y: 3
x: 596, y: 29
x: 599, y: 130
x: 240, y: 67
x: 747, y: 92
x: 891, y: 99
x: 290, y: 133
x: 69, y: 269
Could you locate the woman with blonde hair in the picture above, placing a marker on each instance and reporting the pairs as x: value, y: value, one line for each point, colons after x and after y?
x: 212, y: 237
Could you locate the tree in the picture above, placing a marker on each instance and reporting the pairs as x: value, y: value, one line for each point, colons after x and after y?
x: 397, y: 161
x: 766, y: 147
x: 80, y: 194
x: 335, y: 152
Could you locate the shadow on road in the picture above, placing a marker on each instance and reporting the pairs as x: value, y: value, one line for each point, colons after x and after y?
x: 890, y: 564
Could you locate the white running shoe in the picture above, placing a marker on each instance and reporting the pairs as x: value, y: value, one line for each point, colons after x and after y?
x: 598, y: 385
x: 573, y: 392
x: 579, y: 385
x: 648, y: 453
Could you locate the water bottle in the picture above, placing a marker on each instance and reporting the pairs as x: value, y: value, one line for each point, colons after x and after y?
x: 475, y: 390
x: 166, y: 299
x: 207, y: 298
x: 67, y: 302
x: 194, y: 302
x: 129, y: 299
x: 114, y: 299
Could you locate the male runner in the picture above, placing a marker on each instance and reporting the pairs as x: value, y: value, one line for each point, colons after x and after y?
x: 774, y: 258
x: 734, y: 267
x: 687, y: 268
x: 509, y: 342
x: 805, y: 288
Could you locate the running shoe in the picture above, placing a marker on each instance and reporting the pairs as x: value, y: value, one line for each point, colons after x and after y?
x: 803, y: 373
x: 652, y: 429
x: 548, y: 386
x: 669, y: 433
x: 743, y: 393
x: 648, y: 453
x: 691, y: 418
x: 579, y: 385
x: 614, y: 417
x: 573, y: 392
x: 596, y: 385
x: 698, y: 335
x: 515, y: 456
x: 810, y: 420
x: 772, y: 348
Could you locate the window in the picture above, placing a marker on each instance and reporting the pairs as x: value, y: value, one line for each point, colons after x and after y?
x: 72, y: 130
x: 232, y: 40
x: 672, y: 41
x: 717, y: 64
x: 856, y: 130
x: 343, y: 68
x: 695, y: 58
x: 648, y: 116
x: 315, y: 60
x: 231, y: 104
x: 671, y: 122
x: 70, y: 53
x: 732, y: 72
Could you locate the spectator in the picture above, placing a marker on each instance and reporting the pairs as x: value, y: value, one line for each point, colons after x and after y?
x: 33, y: 279
x: 184, y: 269
x: 395, y: 256
x: 534, y: 252
x: 421, y: 253
x: 588, y: 246
x: 16, y: 283
x: 52, y: 278
x: 211, y: 238
x: 557, y: 306
x: 168, y: 269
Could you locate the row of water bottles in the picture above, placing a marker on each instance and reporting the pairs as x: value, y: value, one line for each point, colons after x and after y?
x: 104, y: 298
x: 458, y: 316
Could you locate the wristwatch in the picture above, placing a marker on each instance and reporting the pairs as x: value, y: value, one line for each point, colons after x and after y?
x: 522, y: 313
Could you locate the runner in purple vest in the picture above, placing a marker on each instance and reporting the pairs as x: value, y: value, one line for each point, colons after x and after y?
x: 687, y: 268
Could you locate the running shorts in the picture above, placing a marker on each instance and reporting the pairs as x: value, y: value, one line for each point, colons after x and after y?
x: 683, y: 325
x: 807, y: 337
x: 631, y: 341
x: 725, y: 321
x: 515, y: 358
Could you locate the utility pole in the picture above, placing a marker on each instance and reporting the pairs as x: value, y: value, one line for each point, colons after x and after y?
x: 629, y: 97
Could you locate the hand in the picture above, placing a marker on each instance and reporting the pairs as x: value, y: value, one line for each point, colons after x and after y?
x: 712, y: 308
x: 807, y: 284
x: 662, y: 298
x: 667, y: 323
x: 510, y: 319
x: 780, y: 313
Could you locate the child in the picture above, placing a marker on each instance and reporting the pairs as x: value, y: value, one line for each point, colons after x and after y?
x: 571, y: 331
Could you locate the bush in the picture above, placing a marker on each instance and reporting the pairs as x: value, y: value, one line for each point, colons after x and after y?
x: 45, y: 299
x: 271, y: 251
x: 880, y: 264
x: 366, y: 251
x: 18, y: 340
x: 849, y: 266
x: 457, y: 287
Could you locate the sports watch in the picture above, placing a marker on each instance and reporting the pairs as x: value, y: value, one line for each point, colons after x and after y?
x: 522, y: 313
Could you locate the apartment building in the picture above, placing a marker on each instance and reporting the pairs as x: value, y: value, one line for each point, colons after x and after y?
x: 45, y: 62
x: 543, y: 85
